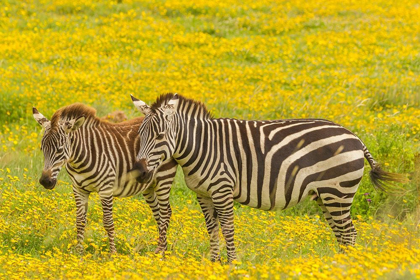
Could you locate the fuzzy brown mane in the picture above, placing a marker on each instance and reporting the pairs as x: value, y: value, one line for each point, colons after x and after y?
x: 71, y: 112
x: 164, y: 99
x: 76, y: 110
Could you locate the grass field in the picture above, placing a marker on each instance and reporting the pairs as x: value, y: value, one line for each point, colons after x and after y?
x: 353, y: 62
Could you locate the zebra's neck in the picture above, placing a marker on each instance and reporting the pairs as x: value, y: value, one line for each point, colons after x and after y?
x: 202, y: 138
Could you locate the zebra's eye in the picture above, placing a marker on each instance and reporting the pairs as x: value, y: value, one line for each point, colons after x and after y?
x: 160, y: 136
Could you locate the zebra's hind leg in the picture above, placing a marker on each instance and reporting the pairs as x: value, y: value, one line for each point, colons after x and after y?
x: 329, y: 218
x: 212, y: 224
x: 338, y: 208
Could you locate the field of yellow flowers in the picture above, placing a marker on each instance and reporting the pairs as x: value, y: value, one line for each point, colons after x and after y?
x: 354, y: 62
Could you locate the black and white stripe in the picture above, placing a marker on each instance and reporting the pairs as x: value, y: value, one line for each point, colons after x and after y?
x: 98, y: 157
x: 267, y: 165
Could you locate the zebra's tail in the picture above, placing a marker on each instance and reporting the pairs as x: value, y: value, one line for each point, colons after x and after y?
x: 381, y: 179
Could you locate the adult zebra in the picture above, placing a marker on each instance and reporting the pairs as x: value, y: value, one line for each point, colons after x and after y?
x: 264, y: 164
x: 97, y: 155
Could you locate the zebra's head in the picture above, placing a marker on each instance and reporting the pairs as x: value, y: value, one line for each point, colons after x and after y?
x: 157, y: 137
x: 55, y: 145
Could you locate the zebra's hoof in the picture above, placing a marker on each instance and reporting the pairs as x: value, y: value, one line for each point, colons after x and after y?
x: 113, y: 251
x: 160, y: 251
x: 79, y: 249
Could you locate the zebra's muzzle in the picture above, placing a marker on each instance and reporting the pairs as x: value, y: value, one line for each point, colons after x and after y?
x: 46, y: 181
x: 143, y: 175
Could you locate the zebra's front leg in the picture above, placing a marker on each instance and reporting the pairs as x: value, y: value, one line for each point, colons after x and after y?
x: 151, y: 199
x: 212, y: 224
x: 164, y: 179
x: 81, y: 199
x: 223, y: 203
x: 107, y: 201
x: 165, y: 214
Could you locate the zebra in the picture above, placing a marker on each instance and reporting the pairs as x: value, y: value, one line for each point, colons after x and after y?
x: 268, y: 165
x: 98, y: 155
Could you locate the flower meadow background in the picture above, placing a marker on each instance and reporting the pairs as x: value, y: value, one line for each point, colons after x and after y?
x: 353, y: 62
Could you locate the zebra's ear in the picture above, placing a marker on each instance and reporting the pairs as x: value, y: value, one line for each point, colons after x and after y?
x: 43, y: 121
x: 74, y: 124
x: 141, y: 106
x: 172, y: 105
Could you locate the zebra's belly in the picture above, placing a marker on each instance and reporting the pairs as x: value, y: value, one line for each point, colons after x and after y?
x: 192, y: 183
x: 121, y: 186
x: 85, y: 182
x: 128, y: 188
x: 205, y: 184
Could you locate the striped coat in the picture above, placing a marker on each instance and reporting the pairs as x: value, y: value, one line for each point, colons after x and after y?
x: 98, y: 156
x: 267, y: 165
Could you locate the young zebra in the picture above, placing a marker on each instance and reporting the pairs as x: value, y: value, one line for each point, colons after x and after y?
x: 268, y: 165
x: 97, y: 155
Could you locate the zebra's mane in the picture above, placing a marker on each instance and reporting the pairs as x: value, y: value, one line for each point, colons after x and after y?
x: 76, y: 110
x: 71, y: 112
x: 184, y: 102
